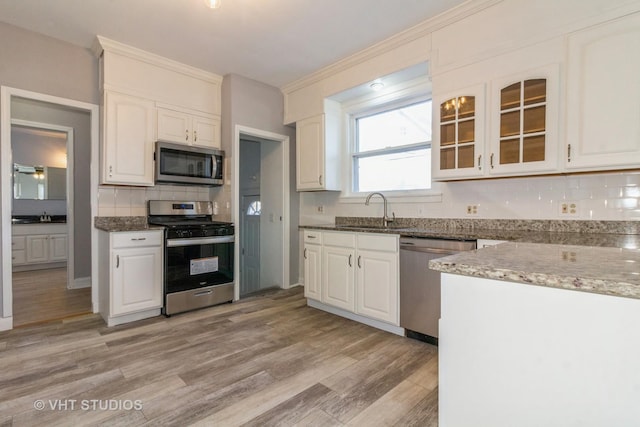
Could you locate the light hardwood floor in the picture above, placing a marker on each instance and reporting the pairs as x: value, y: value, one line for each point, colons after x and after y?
x: 265, y: 361
x: 42, y: 295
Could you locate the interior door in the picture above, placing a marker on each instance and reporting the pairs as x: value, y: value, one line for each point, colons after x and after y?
x: 250, y: 249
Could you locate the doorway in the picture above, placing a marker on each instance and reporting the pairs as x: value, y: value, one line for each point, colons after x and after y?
x: 32, y: 113
x: 261, y: 207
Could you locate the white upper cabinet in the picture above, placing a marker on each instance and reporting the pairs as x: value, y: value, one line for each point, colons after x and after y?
x: 318, y: 150
x: 184, y: 128
x: 458, y: 134
x: 603, y: 96
x: 524, y: 129
x: 127, y: 145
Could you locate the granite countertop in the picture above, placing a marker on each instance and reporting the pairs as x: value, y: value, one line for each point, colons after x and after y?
x: 124, y: 223
x: 602, y: 270
x: 590, y: 256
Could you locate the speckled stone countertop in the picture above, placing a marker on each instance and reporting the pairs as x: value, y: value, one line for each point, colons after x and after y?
x: 608, y: 271
x: 590, y: 256
x: 123, y: 223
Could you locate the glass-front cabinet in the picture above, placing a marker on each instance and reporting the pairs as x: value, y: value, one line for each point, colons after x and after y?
x: 458, y: 141
x: 524, y: 130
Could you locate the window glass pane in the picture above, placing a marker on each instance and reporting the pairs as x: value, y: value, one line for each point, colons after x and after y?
x: 534, y: 119
x: 409, y: 170
x: 509, y: 151
x: 535, y: 91
x: 533, y: 149
x: 448, y: 158
x: 510, y: 96
x: 402, y: 126
x: 467, y: 106
x: 466, y: 156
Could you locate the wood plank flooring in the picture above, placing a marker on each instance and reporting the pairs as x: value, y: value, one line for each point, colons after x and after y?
x: 42, y: 295
x: 268, y: 360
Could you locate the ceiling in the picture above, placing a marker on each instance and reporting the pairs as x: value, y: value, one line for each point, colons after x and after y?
x: 272, y: 41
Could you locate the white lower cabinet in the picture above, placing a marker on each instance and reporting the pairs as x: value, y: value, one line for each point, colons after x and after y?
x: 359, y: 273
x: 38, y: 246
x: 131, y: 275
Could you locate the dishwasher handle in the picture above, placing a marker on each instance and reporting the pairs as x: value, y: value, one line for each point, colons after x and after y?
x: 409, y: 247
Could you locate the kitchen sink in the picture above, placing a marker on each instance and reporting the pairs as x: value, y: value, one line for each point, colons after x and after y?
x: 372, y: 227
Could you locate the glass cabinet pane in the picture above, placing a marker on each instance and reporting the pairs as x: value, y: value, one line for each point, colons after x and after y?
x: 534, y: 119
x: 466, y: 131
x: 535, y: 91
x: 448, y: 134
x: 466, y: 156
x: 510, y: 123
x: 467, y: 107
x: 448, y: 158
x: 510, y: 151
x: 510, y: 96
x: 533, y: 149
x: 448, y: 110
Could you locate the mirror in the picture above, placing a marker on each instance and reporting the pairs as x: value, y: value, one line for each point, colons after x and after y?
x: 39, y: 182
x: 40, y: 156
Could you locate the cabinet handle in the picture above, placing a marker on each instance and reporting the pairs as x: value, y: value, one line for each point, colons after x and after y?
x: 569, y: 153
x: 350, y: 265
x: 110, y: 171
x: 479, y: 160
x: 359, y: 257
x: 186, y: 135
x: 491, y: 160
x: 305, y: 253
x: 195, y: 135
x: 117, y: 261
x: 311, y: 236
x: 137, y: 239
x: 320, y: 179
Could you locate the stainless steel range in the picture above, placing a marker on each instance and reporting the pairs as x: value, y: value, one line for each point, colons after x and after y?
x: 198, y: 255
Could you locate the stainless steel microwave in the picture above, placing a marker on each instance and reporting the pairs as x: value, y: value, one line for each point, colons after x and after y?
x: 183, y: 164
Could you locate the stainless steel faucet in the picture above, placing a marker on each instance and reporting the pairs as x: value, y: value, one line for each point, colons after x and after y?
x: 385, y: 218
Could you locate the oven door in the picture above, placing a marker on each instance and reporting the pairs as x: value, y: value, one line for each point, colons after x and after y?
x: 198, y: 262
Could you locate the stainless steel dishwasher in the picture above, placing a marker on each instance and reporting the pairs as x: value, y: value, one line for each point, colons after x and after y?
x: 420, y: 286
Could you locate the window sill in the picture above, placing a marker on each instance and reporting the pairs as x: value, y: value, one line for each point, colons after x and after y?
x: 419, y: 197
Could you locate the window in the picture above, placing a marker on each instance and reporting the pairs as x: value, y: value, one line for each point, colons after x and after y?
x: 254, y: 208
x: 392, y: 148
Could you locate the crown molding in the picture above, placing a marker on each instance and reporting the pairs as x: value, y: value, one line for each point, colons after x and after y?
x: 413, y: 33
x: 102, y: 44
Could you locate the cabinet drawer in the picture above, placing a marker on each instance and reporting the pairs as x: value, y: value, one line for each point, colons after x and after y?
x: 133, y: 239
x: 377, y: 242
x: 339, y: 239
x: 18, y: 257
x: 17, y: 242
x: 313, y: 236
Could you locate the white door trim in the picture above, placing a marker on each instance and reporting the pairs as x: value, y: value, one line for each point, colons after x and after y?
x: 6, y: 319
x: 286, y: 221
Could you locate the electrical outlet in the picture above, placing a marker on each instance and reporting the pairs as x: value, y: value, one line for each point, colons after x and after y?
x: 472, y: 210
x: 569, y: 209
x: 321, y: 209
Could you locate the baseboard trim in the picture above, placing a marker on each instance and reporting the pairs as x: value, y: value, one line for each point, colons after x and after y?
x: 6, y: 323
x: 356, y: 317
x: 79, y: 283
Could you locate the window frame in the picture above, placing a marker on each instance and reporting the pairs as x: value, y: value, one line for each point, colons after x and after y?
x: 406, y: 93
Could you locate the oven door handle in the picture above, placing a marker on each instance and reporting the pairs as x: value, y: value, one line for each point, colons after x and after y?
x: 173, y: 243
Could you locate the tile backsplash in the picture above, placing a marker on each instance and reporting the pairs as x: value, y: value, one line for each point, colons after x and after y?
x: 132, y: 201
x: 597, y: 196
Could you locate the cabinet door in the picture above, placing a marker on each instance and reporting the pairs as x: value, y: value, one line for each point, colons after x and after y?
x: 37, y: 248
x: 458, y: 134
x: 206, y: 132
x: 338, y: 277
x: 603, y: 96
x: 174, y: 126
x: 377, y: 285
x: 128, y: 140
x: 310, y: 153
x: 312, y: 272
x: 136, y: 279
x: 525, y: 122
x: 58, y: 247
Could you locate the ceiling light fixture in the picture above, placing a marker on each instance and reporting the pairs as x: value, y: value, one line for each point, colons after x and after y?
x: 213, y: 4
x: 377, y: 85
